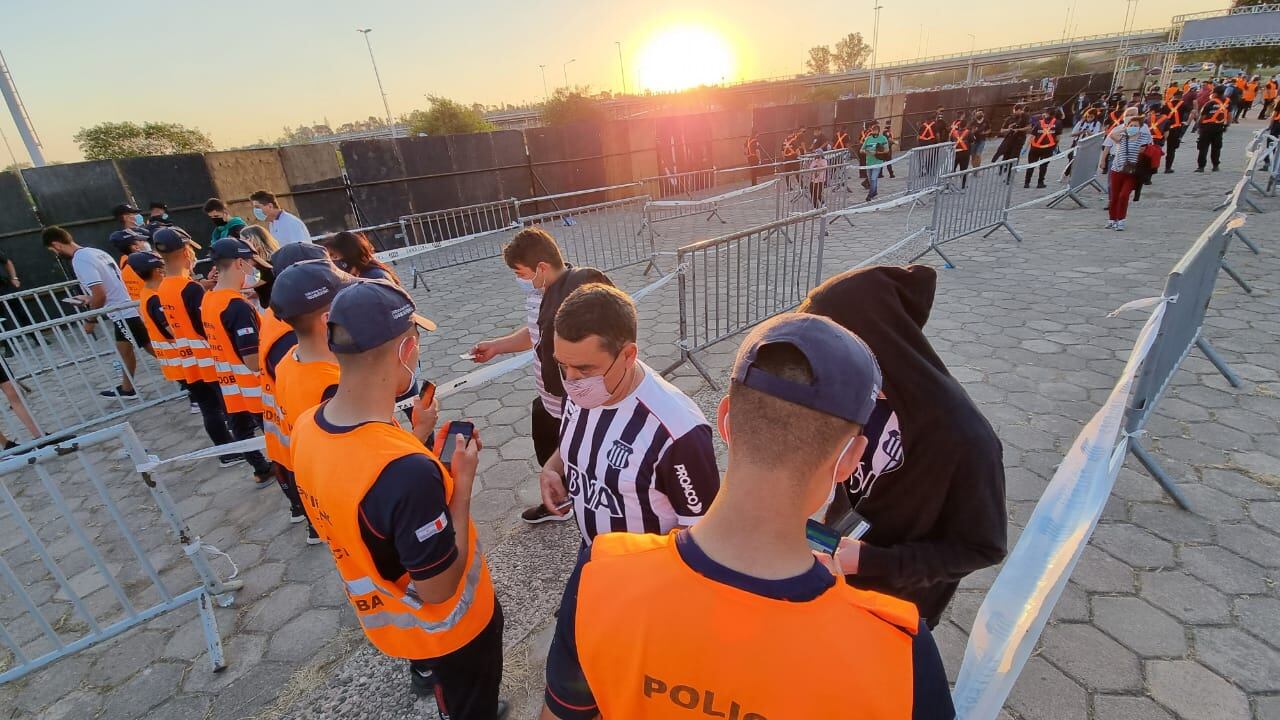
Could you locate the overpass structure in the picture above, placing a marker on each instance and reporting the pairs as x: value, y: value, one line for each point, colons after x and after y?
x: 886, y: 78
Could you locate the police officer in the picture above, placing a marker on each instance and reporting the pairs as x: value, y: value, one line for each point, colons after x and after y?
x: 1214, y: 118
x: 1045, y: 129
x: 397, y: 519
x: 1179, y: 115
x: 763, y: 629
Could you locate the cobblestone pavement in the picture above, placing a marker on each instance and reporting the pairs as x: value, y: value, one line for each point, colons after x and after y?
x: 1168, y: 615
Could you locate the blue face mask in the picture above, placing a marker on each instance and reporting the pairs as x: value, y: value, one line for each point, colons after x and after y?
x: 1131, y: 131
x: 259, y: 213
x: 138, y: 219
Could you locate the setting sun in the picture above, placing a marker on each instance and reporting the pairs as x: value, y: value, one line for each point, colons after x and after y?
x: 684, y: 56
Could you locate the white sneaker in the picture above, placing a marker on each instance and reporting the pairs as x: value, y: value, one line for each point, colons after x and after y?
x: 1111, y: 224
x: 195, y: 409
x: 1119, y: 225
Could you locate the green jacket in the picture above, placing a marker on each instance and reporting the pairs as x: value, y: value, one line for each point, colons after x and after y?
x: 234, y: 223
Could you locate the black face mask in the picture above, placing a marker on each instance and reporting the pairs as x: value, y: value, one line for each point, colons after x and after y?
x: 218, y: 222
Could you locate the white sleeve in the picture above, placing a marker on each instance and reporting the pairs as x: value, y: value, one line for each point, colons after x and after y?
x: 298, y: 229
x: 86, y: 270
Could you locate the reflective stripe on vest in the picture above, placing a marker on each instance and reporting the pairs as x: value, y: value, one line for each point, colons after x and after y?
x: 961, y: 139
x: 1175, y: 108
x: 334, y: 471
x: 926, y: 131
x: 1154, y: 120
x: 240, y: 385
x: 272, y: 331
x: 675, y: 641
x: 1045, y: 138
x: 197, y: 366
x: 166, y: 351
x: 133, y: 284
x: 1220, y: 114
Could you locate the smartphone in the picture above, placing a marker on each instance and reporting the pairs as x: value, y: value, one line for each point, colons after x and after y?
x: 428, y: 393
x: 456, y: 428
x: 825, y: 537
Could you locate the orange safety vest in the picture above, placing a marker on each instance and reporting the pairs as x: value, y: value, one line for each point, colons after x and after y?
x: 1045, y: 139
x: 926, y: 132
x: 960, y: 136
x: 788, y: 146
x: 132, y: 283
x: 333, y: 474
x: 166, y: 351
x: 1269, y: 90
x: 1168, y: 93
x: 842, y: 141
x: 193, y: 349
x: 1186, y: 86
x: 1215, y: 112
x: 299, y: 387
x: 639, y: 666
x: 1250, y: 92
x: 1175, y: 109
x: 241, y: 388
x: 272, y: 331
x: 1239, y: 83
x: 1153, y: 121
x: 1115, y: 117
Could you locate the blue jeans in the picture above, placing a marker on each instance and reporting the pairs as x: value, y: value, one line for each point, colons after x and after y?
x: 873, y: 180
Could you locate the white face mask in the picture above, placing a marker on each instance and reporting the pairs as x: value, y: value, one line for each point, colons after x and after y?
x: 251, y: 278
x: 821, y: 512
x: 413, y: 371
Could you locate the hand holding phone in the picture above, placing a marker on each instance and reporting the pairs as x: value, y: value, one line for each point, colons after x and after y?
x: 426, y: 412
x: 454, y: 432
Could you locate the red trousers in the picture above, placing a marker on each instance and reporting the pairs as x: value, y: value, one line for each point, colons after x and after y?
x: 1122, y: 185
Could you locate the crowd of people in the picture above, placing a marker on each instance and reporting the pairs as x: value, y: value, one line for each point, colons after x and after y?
x: 314, y: 344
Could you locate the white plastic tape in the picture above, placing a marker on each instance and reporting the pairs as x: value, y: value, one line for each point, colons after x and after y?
x: 711, y: 200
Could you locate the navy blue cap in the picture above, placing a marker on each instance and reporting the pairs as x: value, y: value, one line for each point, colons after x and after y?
x: 846, y: 376
x: 145, y: 261
x: 122, y: 240
x: 371, y: 313
x: 296, y: 253
x: 306, y: 287
x: 171, y: 239
x: 123, y: 209
x: 230, y: 248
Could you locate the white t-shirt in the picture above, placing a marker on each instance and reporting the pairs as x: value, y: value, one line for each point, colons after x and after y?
x: 289, y: 228
x: 94, y: 267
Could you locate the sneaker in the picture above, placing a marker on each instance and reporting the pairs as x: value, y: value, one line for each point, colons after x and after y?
x: 296, y: 515
x: 227, y: 461
x: 263, y: 478
x: 1040, y: 186
x: 313, y: 537
x: 1199, y: 169
x: 195, y: 409
x: 540, y: 514
x: 119, y: 391
x: 1168, y: 171
x: 1119, y: 225
x: 423, y: 683
x: 10, y: 445
x: 1111, y: 224
x: 1215, y: 168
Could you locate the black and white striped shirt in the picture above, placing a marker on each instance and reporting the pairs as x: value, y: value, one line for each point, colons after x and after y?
x: 644, y: 465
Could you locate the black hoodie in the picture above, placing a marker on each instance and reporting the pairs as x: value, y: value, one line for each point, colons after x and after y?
x: 932, y: 480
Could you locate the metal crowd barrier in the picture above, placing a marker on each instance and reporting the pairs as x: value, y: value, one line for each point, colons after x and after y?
x: 1263, y: 147
x: 928, y: 164
x: 58, y: 369
x: 607, y: 235
x: 969, y: 202
x: 386, y: 236
x: 64, y: 528
x: 728, y: 284
x: 793, y: 193
x: 1085, y: 157
x: 685, y: 185
x: 446, y: 238
x: 47, y: 302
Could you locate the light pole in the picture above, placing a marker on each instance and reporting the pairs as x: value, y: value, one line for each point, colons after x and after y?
x: 621, y: 70
x: 20, y: 118
x: 543, y: 68
x: 875, y: 43
x: 565, y: 69
x: 385, y: 105
x: 973, y: 44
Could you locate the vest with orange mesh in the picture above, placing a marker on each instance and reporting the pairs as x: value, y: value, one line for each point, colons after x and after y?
x: 1175, y: 109
x: 299, y: 387
x: 334, y: 472
x: 1215, y: 112
x: 192, y: 348
x: 1045, y: 139
x: 132, y: 283
x: 272, y: 331
x: 927, y: 133
x: 166, y: 351
x: 241, y: 388
x: 960, y: 136
x: 638, y: 667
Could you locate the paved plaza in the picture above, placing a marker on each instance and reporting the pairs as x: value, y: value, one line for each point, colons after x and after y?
x: 1169, y: 614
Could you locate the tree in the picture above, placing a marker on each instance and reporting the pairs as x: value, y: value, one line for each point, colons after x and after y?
x: 567, y: 107
x: 1248, y: 57
x: 819, y: 62
x: 446, y: 117
x: 111, y: 140
x: 851, y: 52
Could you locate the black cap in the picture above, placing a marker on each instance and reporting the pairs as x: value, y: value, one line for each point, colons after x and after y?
x: 306, y: 287
x: 160, y: 205
x: 122, y: 240
x: 145, y: 261
x: 846, y: 376
x: 171, y: 239
x: 371, y: 313
x: 123, y: 209
x: 229, y: 248
x: 297, y: 252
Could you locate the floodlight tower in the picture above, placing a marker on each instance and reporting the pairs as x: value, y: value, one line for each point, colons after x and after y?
x: 20, y: 116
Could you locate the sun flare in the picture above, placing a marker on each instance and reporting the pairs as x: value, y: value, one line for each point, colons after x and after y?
x: 684, y: 56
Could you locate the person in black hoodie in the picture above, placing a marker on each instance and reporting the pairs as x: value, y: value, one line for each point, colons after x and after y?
x: 931, y: 483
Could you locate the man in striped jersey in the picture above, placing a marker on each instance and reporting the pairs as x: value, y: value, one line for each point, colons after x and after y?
x: 635, y: 453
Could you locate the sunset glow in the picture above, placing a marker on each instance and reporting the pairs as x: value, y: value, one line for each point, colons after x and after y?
x: 684, y: 56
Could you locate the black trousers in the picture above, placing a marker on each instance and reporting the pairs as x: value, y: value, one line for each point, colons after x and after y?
x: 962, y: 164
x: 1035, y: 154
x: 467, y: 679
x: 243, y: 426
x: 546, y: 432
x: 1266, y: 109
x: 208, y: 397
x: 1010, y: 148
x: 1172, y: 144
x: 1209, y: 144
